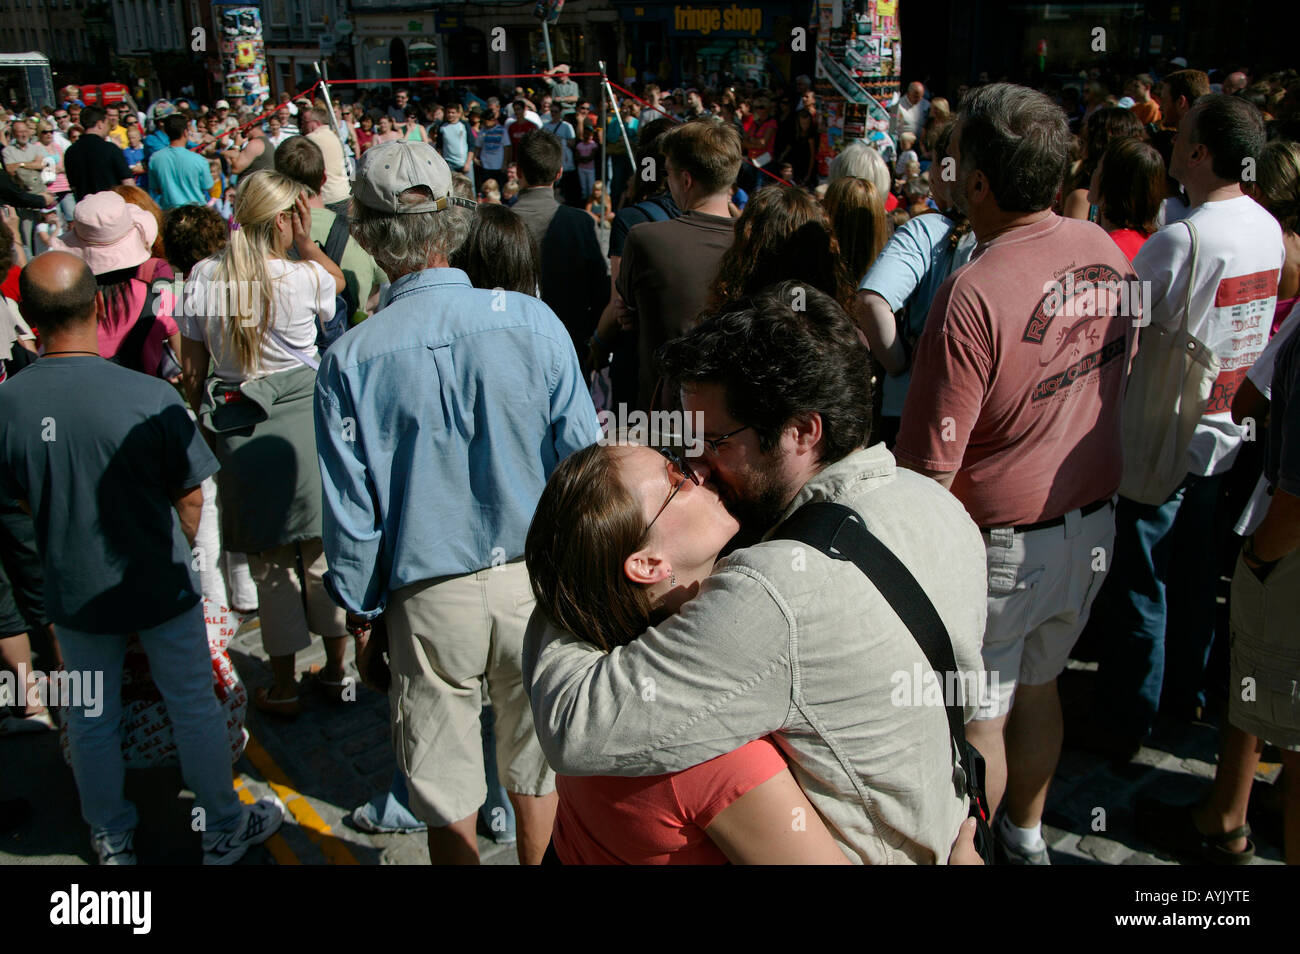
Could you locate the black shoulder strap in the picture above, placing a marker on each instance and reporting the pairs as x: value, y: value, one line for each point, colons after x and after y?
x: 130, y: 352
x: 839, y: 532
x: 336, y: 242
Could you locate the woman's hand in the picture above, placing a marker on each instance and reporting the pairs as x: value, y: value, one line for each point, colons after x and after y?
x: 300, y: 222
x: 963, y: 849
x: 10, y: 218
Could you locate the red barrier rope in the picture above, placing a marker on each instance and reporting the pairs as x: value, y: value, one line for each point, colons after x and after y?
x: 270, y: 112
x: 631, y: 95
x: 445, y: 79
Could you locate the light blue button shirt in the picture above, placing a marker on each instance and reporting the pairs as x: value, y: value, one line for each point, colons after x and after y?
x: 438, y: 422
x: 910, y: 269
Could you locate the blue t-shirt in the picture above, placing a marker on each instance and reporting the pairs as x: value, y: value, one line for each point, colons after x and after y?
x: 454, y: 138
x: 911, y: 267
x: 132, y: 157
x: 493, y: 143
x: 98, y: 452
x: 179, y: 177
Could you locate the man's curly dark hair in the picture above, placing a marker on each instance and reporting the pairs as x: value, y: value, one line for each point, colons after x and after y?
x: 784, y: 352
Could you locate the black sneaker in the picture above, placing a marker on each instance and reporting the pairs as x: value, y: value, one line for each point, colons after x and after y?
x: 261, y: 820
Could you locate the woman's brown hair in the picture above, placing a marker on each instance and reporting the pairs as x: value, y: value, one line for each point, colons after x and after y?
x: 586, y: 524
x: 136, y: 196
x: 1278, y: 183
x: 783, y: 234
x: 1132, y: 185
x: 857, y: 214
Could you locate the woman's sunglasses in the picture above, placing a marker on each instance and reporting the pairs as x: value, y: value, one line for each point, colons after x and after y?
x: 678, y: 463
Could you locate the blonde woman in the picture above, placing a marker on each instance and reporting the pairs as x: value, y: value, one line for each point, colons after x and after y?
x: 253, y: 313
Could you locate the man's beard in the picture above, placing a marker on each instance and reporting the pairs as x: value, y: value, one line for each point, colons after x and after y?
x: 762, y: 503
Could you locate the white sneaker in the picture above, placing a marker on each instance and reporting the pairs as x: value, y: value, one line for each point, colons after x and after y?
x: 115, y: 849
x: 260, y: 821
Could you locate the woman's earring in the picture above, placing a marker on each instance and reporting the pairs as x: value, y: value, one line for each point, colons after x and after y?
x: 672, y: 578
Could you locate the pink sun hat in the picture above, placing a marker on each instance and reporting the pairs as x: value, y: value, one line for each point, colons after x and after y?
x: 109, y: 234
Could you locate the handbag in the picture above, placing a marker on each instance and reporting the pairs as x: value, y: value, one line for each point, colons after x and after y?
x: 1168, y: 391
x: 838, y: 532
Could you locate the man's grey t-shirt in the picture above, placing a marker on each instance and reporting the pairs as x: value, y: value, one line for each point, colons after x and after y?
x: 98, y: 452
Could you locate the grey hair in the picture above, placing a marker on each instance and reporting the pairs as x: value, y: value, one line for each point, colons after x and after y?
x: 402, y: 243
x: 860, y: 161
x: 1019, y: 139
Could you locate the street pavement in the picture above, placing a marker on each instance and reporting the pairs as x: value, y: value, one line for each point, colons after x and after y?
x: 337, y: 756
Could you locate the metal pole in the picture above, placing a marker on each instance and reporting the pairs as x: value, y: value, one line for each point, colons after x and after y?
x: 618, y: 115
x: 546, y: 40
x: 329, y: 106
x: 604, y: 158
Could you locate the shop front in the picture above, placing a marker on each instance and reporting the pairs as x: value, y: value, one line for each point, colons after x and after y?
x: 690, y: 44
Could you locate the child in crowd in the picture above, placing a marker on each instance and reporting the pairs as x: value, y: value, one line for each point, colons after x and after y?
x: 906, y: 154
x: 586, y: 151
x: 491, y: 194
x: 47, y: 230
x: 510, y: 192
x: 597, y: 207
x: 220, y: 199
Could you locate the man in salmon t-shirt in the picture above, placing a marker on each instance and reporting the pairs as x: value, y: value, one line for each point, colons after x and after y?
x: 1234, y: 292
x: 1014, y: 406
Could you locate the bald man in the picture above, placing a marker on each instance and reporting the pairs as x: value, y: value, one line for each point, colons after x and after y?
x: 110, y: 465
x: 911, y: 112
x: 1234, y: 82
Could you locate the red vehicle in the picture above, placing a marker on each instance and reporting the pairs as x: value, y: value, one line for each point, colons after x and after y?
x: 102, y: 94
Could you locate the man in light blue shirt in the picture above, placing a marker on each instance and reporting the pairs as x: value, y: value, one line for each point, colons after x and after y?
x: 178, y: 176
x: 437, y: 427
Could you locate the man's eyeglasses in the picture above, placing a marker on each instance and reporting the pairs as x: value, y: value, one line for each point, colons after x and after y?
x: 717, y: 442
x: 676, y: 464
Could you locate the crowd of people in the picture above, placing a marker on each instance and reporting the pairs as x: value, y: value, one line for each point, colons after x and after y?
x: 933, y: 417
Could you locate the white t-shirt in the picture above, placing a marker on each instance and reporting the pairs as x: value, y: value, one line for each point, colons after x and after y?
x: 1235, y: 293
x: 909, y: 118
x: 1261, y: 375
x: 302, y: 292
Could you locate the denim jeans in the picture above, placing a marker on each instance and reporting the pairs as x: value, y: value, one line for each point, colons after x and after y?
x: 1156, y: 608
x: 182, y: 668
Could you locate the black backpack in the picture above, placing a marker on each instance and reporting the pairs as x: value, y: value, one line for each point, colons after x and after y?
x: 130, y: 353
x: 839, y: 532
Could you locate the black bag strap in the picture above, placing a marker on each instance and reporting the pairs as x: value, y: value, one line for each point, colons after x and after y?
x: 336, y: 243
x: 839, y: 532
x: 130, y: 353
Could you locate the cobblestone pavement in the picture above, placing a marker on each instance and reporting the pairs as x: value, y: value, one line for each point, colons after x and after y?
x: 337, y: 756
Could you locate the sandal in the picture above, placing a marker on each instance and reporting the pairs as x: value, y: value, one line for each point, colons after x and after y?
x: 281, y: 708
x: 342, y: 691
x: 1173, y: 829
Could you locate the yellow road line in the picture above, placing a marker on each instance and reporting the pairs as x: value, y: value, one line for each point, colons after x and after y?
x: 276, y: 845
x: 317, y: 830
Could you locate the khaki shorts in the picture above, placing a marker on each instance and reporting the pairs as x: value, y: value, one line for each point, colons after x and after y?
x: 446, y: 638
x: 287, y: 619
x: 1041, y: 587
x: 1264, y: 620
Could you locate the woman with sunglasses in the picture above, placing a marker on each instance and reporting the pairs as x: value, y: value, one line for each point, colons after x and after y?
x: 623, y: 537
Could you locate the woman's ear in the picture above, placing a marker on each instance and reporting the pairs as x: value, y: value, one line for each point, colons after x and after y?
x: 645, y: 567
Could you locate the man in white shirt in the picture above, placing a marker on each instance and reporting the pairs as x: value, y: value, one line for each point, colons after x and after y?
x: 338, y: 190
x: 570, y: 189
x: 911, y: 112
x: 1165, y: 570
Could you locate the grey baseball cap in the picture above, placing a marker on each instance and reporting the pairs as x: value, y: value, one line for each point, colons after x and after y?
x: 391, y: 168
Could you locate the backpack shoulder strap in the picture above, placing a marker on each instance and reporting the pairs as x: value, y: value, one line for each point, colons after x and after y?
x: 839, y: 532
x: 130, y: 352
x: 336, y: 243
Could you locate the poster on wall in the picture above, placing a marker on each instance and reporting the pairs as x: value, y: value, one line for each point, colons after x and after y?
x: 243, y: 51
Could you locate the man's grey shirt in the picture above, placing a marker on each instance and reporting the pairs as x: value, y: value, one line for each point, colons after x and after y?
x: 783, y: 640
